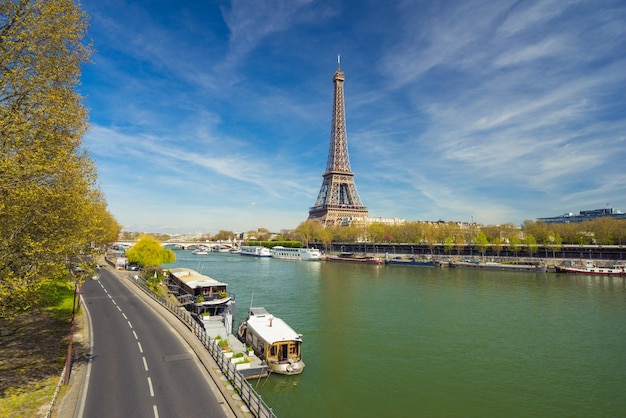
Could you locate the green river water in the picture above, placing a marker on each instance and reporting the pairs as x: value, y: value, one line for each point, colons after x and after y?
x: 409, y: 341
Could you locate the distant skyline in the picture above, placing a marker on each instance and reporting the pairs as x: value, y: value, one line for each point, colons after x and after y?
x: 217, y: 115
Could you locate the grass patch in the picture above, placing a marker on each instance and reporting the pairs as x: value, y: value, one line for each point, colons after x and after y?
x: 33, y: 346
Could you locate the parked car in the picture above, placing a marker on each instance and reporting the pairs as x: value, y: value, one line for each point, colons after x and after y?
x: 134, y: 267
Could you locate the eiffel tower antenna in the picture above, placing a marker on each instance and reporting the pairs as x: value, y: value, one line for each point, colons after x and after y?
x: 338, y: 198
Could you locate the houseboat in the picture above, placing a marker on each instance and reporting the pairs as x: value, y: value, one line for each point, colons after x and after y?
x: 305, y: 254
x: 413, y: 262
x: 589, y: 267
x: 473, y: 264
x: 255, y: 251
x: 273, y: 341
x: 207, y: 299
x: 353, y: 258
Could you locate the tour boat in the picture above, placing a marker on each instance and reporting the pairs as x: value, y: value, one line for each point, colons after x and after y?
x: 255, y: 251
x: 352, y: 258
x: 588, y: 267
x: 273, y: 341
x: 307, y: 254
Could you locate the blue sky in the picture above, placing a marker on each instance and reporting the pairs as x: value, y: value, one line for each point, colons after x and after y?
x: 209, y: 115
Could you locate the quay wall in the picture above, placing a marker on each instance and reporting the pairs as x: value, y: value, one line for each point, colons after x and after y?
x: 602, y: 254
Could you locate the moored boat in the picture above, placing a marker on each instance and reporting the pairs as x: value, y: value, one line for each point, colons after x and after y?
x: 273, y: 341
x: 200, y: 251
x: 413, y: 262
x: 538, y: 268
x: 255, y: 251
x: 589, y: 267
x: 352, y: 258
x: 207, y: 299
x: 305, y: 254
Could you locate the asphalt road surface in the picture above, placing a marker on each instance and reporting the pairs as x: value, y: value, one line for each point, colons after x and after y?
x: 140, y: 367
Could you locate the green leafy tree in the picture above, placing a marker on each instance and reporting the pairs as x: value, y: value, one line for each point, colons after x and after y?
x: 553, y: 242
x: 481, y: 242
x: 50, y: 207
x: 148, y: 252
x: 448, y: 244
x: 531, y: 244
x: 308, y: 231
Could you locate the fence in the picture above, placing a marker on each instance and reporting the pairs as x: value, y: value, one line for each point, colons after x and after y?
x: 250, y: 397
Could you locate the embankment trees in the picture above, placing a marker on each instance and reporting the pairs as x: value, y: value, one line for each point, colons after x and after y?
x: 50, y: 206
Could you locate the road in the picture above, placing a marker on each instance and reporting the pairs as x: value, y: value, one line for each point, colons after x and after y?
x: 140, y: 367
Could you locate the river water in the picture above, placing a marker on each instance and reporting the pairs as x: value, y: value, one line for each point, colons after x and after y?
x: 400, y: 341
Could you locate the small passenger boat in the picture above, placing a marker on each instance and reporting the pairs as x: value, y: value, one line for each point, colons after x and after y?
x: 305, y: 254
x: 255, y: 251
x: 352, y: 258
x: 273, y: 341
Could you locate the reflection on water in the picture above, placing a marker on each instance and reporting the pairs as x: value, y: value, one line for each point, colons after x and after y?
x: 417, y: 341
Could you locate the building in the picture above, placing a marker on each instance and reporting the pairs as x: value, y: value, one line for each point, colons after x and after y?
x: 584, y: 215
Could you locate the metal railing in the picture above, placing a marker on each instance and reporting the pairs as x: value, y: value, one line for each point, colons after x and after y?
x: 249, y: 396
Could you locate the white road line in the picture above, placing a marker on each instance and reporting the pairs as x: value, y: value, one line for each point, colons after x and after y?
x: 140, y: 349
x: 145, y: 363
x: 150, y: 384
x: 156, y: 411
x: 126, y: 318
x: 135, y: 334
x: 114, y: 302
x: 130, y: 325
x: 119, y: 309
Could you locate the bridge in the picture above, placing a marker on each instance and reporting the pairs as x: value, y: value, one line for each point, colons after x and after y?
x: 183, y: 245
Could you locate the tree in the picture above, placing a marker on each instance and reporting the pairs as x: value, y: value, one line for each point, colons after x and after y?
x: 481, y: 242
x: 531, y: 244
x: 50, y: 207
x: 148, y: 252
x: 224, y: 235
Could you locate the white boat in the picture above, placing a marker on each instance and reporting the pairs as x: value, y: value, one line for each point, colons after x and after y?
x: 200, y: 251
x: 589, y: 267
x: 307, y: 254
x: 222, y: 248
x: 255, y: 251
x: 273, y: 341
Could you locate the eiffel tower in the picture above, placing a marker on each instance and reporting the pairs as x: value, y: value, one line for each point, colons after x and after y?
x: 338, y: 197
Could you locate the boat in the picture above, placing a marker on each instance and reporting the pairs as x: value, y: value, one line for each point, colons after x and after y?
x: 200, y: 251
x: 413, y: 262
x: 207, y: 299
x: 353, y: 258
x: 589, y: 267
x: 273, y: 341
x: 306, y: 254
x: 255, y: 251
x: 474, y: 264
x: 222, y: 248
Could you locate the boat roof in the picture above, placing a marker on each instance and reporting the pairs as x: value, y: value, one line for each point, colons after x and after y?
x: 269, y: 327
x: 193, y: 279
